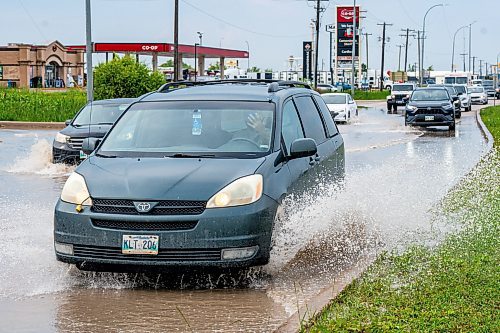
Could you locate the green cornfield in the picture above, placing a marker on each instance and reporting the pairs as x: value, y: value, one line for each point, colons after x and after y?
x: 39, y: 106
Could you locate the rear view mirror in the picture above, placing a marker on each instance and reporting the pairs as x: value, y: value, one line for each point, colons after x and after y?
x: 303, y: 148
x: 67, y: 122
x: 90, y: 144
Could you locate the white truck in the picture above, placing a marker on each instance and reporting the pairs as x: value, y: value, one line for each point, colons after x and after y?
x: 400, y: 93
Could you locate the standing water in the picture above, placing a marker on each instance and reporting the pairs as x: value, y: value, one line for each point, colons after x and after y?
x: 394, y: 177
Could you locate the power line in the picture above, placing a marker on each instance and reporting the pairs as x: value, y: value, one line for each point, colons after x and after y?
x: 240, y: 27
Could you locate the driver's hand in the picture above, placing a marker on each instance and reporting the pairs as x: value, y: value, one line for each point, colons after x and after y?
x: 256, y: 121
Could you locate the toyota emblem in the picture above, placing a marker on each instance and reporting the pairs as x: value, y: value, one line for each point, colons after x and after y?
x: 144, y: 207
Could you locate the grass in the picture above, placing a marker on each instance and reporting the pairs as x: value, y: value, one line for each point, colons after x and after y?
x: 38, y: 106
x: 454, y: 287
x: 370, y: 95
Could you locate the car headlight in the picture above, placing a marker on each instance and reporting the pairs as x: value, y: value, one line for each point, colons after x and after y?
x: 61, y: 137
x: 448, y: 107
x: 242, y: 191
x: 411, y: 108
x: 75, y: 191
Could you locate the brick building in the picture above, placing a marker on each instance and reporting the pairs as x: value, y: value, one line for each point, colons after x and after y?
x: 48, y: 66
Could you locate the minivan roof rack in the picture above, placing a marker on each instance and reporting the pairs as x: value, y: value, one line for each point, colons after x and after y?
x: 279, y: 84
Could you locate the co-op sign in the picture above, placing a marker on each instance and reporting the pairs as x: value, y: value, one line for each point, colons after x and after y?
x: 150, y: 47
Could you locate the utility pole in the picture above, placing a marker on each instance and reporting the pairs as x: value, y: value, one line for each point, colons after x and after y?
x: 366, y: 40
x: 399, y: 61
x: 330, y: 28
x: 176, y: 40
x: 419, y: 55
x: 485, y: 69
x: 408, y: 30
x: 318, y: 10
x: 473, y: 65
x: 480, y: 68
x: 383, y: 55
x: 463, y: 55
x: 89, y: 50
x: 353, y: 80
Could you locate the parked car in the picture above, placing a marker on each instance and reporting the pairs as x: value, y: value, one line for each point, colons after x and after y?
x: 343, y: 86
x: 92, y: 121
x: 196, y: 176
x: 341, y: 106
x: 478, y: 95
x: 465, y: 101
x: 497, y: 91
x: 430, y: 107
x: 325, y: 88
x: 399, y: 95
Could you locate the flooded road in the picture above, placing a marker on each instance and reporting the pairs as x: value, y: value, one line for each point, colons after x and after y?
x: 394, y: 177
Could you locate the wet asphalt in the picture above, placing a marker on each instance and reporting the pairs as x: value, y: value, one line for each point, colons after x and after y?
x: 395, y: 176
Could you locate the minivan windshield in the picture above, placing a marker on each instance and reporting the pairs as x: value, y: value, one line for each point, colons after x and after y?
x: 334, y: 99
x: 192, y: 129
x: 99, y: 114
x: 402, y: 87
x: 430, y: 95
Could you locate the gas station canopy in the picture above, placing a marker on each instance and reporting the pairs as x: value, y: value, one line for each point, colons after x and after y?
x: 164, y: 49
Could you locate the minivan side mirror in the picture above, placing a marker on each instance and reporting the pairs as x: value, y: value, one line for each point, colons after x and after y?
x: 334, y: 114
x: 455, y: 98
x: 67, y: 122
x: 303, y: 148
x: 90, y: 144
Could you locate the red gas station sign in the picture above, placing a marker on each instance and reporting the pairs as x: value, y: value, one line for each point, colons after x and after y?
x: 345, y: 14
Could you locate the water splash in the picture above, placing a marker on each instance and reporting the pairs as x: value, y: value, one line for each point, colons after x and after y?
x: 39, y: 161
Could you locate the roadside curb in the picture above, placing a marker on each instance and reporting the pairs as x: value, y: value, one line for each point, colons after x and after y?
x: 30, y: 125
x: 316, y: 304
x: 486, y: 133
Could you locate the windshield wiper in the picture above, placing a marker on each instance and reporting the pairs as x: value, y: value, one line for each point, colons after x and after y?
x: 182, y: 155
x: 105, y: 156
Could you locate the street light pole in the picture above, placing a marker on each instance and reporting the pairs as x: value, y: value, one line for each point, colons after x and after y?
x: 176, y: 41
x: 470, y: 42
x: 248, y: 59
x: 89, y: 50
x: 195, y: 61
x: 423, y: 42
x: 453, y: 48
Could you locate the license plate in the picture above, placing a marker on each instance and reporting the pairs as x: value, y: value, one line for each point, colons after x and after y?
x: 428, y: 118
x: 140, y: 244
x: 83, y: 155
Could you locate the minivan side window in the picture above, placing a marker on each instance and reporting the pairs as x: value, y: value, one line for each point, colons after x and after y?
x: 291, y: 128
x: 309, y: 114
x: 327, y: 116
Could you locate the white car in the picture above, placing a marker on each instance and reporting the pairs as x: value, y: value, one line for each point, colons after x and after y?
x: 464, y: 96
x: 477, y: 95
x: 342, y: 104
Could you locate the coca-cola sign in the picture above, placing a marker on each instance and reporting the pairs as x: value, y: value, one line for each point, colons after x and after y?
x: 345, y: 14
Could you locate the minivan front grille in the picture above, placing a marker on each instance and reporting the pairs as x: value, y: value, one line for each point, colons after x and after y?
x: 98, y: 252
x: 145, y: 225
x: 164, y: 207
x: 430, y: 111
x: 75, y: 143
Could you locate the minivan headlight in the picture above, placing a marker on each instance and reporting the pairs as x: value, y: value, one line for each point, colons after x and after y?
x: 75, y: 191
x: 242, y: 191
x: 61, y: 137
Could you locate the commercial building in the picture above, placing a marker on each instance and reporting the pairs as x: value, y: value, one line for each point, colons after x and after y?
x: 47, y: 66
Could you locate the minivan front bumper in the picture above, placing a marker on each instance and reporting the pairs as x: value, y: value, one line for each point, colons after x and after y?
x: 243, y: 229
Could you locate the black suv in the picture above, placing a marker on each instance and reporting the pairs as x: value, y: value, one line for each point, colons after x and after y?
x: 195, y: 176
x: 431, y: 107
x: 93, y: 120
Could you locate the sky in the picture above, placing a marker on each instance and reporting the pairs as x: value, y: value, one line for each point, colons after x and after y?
x: 274, y: 29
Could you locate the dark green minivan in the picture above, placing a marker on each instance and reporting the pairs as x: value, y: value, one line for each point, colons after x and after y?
x: 195, y: 176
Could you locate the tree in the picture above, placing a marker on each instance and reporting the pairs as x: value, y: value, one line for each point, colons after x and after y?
x: 254, y: 70
x: 170, y: 63
x: 364, y: 68
x: 430, y: 68
x: 215, y: 67
x: 268, y: 70
x: 124, y: 77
